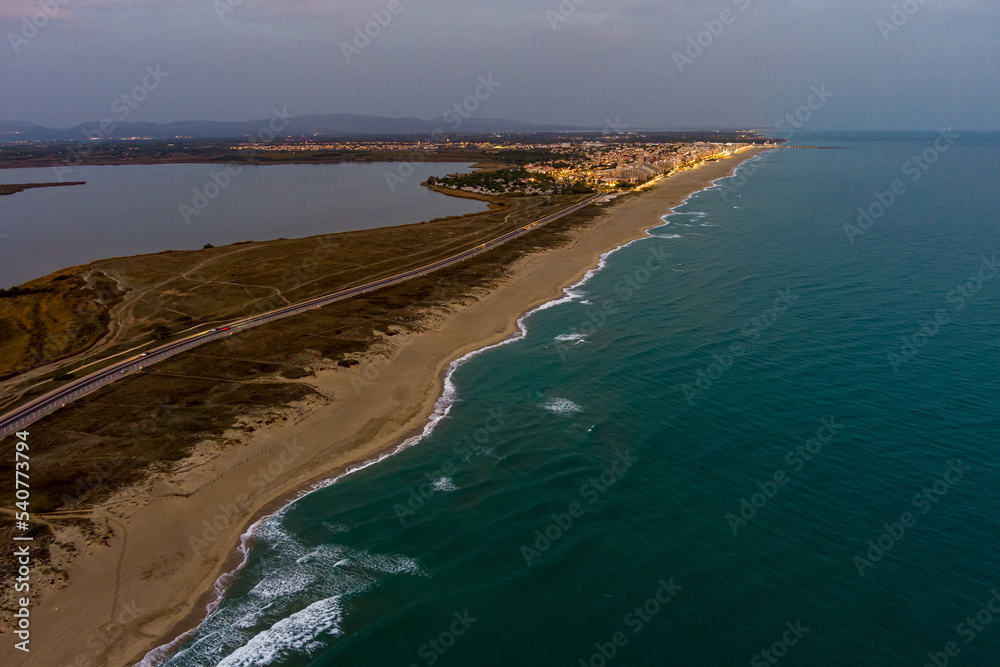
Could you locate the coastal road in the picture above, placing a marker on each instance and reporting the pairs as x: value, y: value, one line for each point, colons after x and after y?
x: 43, y: 405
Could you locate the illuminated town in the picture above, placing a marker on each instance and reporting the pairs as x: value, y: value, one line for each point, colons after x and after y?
x: 595, y: 164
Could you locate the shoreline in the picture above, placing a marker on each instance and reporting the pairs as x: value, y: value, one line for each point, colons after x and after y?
x: 14, y: 188
x: 403, y: 400
x: 402, y: 156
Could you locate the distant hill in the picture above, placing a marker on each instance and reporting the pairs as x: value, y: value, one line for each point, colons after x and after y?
x: 14, y: 130
x: 308, y: 125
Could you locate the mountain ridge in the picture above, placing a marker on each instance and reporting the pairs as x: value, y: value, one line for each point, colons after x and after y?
x: 280, y: 124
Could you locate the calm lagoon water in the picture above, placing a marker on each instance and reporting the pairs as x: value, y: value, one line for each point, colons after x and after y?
x: 135, y: 209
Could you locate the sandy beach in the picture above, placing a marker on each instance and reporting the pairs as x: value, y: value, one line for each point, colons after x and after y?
x: 177, y: 534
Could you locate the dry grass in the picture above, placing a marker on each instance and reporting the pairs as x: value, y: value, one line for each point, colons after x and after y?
x: 53, y: 318
x: 184, y: 289
x: 124, y: 431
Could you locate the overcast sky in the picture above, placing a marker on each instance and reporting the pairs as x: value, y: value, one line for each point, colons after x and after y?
x: 637, y: 61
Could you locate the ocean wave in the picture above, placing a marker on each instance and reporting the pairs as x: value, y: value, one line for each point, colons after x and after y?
x: 562, y: 338
x: 445, y: 484
x: 754, y: 161
x: 336, y: 527
x: 386, y: 564
x: 291, y: 577
x: 441, y: 409
x: 561, y: 406
x: 295, y: 634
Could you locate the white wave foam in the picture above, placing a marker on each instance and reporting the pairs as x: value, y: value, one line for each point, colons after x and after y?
x: 386, y: 564
x: 222, y: 584
x: 562, y: 338
x: 291, y: 574
x: 289, y: 636
x: 336, y: 527
x: 561, y: 406
x: 445, y: 484
x: 587, y: 302
x: 441, y: 409
x: 754, y: 161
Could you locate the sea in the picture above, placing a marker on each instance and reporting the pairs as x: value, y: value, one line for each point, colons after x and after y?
x: 766, y: 433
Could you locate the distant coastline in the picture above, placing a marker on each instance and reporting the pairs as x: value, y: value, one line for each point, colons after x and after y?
x: 15, y: 188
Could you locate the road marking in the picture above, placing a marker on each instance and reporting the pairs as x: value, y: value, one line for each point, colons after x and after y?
x: 50, y: 402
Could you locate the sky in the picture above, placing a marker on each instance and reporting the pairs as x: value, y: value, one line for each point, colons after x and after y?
x: 624, y: 64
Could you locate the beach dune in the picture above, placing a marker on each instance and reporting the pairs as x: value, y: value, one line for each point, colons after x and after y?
x: 177, y: 536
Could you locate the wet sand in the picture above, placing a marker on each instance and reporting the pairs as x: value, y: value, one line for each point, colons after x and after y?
x: 177, y: 535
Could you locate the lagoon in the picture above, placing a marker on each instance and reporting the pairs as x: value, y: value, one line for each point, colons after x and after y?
x: 136, y: 209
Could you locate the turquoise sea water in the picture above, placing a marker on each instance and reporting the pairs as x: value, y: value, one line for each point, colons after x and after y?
x: 684, y: 461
